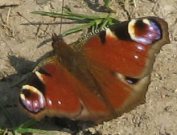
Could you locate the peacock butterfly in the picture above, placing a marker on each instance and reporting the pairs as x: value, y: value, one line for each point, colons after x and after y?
x: 106, y: 77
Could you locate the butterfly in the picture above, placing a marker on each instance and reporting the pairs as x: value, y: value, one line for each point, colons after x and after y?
x: 107, y: 76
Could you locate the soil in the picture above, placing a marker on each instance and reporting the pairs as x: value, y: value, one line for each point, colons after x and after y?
x: 21, y: 32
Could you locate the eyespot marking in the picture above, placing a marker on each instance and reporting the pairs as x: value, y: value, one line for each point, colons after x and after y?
x: 146, y: 21
x: 32, y: 99
x: 131, y: 29
x: 144, y: 31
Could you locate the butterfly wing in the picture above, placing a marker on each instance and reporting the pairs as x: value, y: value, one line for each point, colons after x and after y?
x: 107, y: 77
x: 53, y: 91
x: 123, y: 57
x: 129, y: 48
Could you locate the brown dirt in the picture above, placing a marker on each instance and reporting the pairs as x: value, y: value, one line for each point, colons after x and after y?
x: 18, y: 52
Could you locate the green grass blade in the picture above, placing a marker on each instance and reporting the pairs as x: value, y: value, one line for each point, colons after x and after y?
x: 91, y: 22
x: 68, y: 15
x: 57, y: 15
x: 77, y: 29
x: 25, y: 127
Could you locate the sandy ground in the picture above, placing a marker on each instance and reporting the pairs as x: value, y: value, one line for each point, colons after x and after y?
x: 18, y: 52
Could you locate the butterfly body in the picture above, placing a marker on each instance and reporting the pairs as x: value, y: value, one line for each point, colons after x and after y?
x: 108, y: 76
